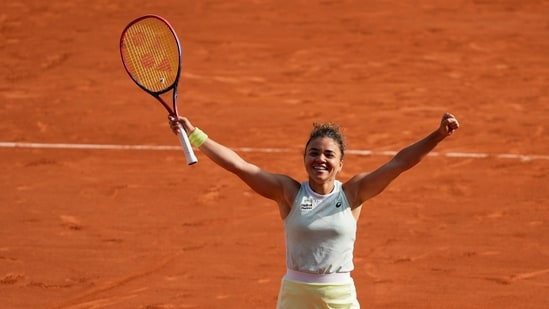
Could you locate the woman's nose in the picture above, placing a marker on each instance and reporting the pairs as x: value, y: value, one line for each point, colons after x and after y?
x: 321, y: 158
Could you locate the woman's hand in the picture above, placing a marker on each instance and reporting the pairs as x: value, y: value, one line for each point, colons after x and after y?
x: 448, y: 125
x: 176, y: 122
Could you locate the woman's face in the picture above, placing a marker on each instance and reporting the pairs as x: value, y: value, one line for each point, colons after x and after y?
x: 322, y: 159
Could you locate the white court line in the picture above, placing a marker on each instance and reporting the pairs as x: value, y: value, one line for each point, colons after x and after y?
x: 521, y: 157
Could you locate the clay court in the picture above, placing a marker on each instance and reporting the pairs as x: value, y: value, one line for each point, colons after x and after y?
x: 99, y: 210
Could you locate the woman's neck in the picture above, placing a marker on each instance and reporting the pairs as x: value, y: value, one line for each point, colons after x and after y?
x: 322, y: 188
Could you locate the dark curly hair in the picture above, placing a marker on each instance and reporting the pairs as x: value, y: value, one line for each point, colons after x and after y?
x: 328, y: 129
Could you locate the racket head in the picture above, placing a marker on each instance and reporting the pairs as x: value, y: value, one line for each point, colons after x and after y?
x: 151, y: 54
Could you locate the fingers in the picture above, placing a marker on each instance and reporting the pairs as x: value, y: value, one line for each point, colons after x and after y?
x: 453, y: 124
x: 178, y: 123
x: 449, y: 123
x: 174, y: 124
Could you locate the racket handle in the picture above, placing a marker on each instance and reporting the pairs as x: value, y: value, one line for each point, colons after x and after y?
x: 186, y: 144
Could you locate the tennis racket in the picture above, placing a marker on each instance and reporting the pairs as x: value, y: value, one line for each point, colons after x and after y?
x: 151, y: 54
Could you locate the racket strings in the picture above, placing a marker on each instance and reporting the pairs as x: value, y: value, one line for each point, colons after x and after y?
x: 151, y: 54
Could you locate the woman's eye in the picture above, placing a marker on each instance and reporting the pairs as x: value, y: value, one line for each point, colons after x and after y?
x: 314, y: 154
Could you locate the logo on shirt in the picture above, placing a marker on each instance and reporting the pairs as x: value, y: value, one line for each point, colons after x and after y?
x: 338, y: 204
x: 306, y: 203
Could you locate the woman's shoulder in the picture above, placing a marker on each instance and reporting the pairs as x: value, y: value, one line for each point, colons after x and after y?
x: 289, y: 184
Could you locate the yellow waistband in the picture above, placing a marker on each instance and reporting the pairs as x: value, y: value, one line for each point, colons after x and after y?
x: 317, y: 278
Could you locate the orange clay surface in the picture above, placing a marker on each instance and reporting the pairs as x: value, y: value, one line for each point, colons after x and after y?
x: 99, y: 228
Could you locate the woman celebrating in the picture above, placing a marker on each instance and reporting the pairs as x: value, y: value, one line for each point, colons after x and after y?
x: 320, y: 215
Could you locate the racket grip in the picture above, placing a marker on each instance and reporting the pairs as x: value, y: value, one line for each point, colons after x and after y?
x: 186, y: 144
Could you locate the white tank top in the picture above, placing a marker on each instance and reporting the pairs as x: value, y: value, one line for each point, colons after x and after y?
x: 320, y: 232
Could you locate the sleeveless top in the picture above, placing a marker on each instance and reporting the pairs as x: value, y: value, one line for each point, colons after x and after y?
x: 320, y: 232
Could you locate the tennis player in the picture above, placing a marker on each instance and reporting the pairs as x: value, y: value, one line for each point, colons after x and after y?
x: 320, y: 215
